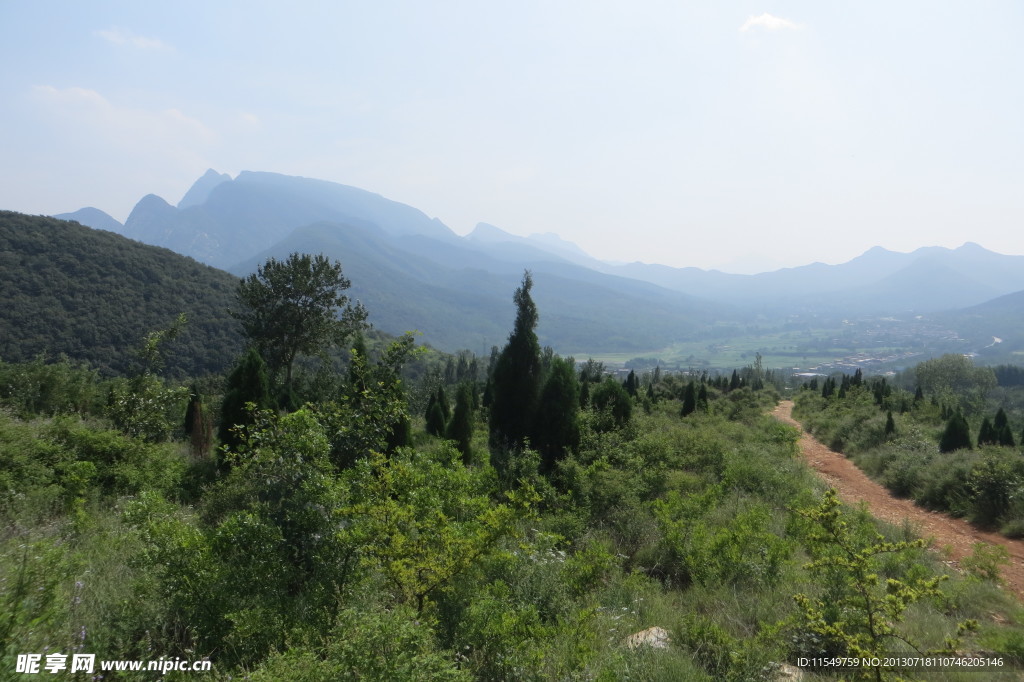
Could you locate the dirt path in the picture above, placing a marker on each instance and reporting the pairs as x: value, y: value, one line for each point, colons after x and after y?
x: 945, y: 532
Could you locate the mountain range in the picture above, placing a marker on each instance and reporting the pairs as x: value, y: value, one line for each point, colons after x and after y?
x: 413, y: 272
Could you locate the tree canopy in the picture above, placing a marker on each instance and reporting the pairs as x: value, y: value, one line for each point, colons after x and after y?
x: 296, y: 306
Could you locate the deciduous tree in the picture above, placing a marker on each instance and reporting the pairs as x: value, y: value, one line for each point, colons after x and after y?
x: 296, y: 306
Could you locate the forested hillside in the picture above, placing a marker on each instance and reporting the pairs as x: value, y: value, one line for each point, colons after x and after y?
x: 94, y: 296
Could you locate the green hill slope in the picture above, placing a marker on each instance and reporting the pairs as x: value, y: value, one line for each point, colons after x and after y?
x: 94, y: 295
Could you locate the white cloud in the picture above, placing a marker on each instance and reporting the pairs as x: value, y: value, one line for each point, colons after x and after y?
x: 120, y: 36
x: 88, y: 112
x: 768, y: 22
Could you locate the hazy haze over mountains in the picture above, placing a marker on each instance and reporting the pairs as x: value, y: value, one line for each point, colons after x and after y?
x: 415, y: 273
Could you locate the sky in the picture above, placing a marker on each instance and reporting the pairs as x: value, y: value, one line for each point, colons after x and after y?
x: 744, y: 136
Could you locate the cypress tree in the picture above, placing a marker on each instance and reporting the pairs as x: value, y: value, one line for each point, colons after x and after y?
x: 198, y: 425
x: 1000, y: 421
x: 957, y: 435
x: 828, y: 388
x: 556, y: 426
x: 702, y: 397
x: 631, y: 383
x: 689, y: 400
x: 890, y: 424
x: 734, y: 382
x: 195, y: 403
x: 247, y: 383
x: 517, y: 375
x: 442, y: 401
x: 435, y: 417
x: 460, y: 428
x: 400, y: 435
x: 986, y: 434
x: 584, y: 394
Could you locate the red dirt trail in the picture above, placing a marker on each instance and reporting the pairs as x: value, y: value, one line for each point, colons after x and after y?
x: 949, y: 535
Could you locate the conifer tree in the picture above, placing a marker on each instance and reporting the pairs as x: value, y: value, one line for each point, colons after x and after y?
x: 631, y: 384
x: 198, y: 424
x: 584, y: 394
x: 247, y: 383
x: 435, y: 417
x: 702, y: 397
x: 556, y: 425
x: 517, y: 375
x: 986, y: 434
x: 1001, y: 429
x: 957, y: 435
x: 689, y: 400
x: 442, y: 401
x: 460, y: 428
x: 734, y: 382
x: 890, y: 424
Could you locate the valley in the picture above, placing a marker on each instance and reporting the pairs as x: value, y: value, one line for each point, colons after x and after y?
x: 881, y: 311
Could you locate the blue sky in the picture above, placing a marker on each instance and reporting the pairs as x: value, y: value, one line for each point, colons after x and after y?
x: 743, y: 135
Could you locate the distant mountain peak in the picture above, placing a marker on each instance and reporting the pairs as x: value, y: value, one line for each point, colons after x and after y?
x: 94, y: 218
x: 972, y: 247
x: 200, y: 190
x: 490, y: 233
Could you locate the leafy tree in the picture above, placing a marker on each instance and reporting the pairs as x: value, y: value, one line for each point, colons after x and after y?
x: 143, y: 406
x: 377, y: 418
x: 294, y: 307
x: 437, y: 517
x: 610, y: 398
x: 859, y: 616
x: 556, y: 425
x: 954, y: 378
x: 517, y: 375
x: 358, y: 348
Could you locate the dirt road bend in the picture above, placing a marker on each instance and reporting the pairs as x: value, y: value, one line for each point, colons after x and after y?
x: 944, y: 531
